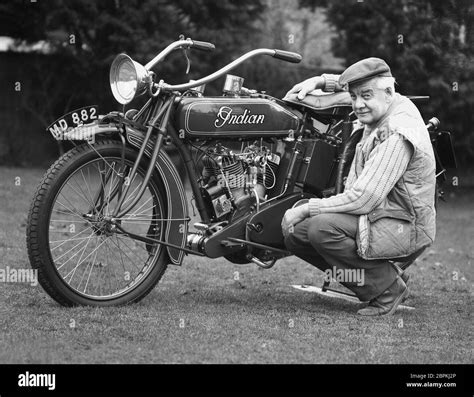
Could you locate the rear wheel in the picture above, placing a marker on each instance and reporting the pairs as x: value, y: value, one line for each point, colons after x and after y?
x: 80, y: 251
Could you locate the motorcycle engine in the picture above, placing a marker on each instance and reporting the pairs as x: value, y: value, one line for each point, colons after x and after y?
x: 235, y: 181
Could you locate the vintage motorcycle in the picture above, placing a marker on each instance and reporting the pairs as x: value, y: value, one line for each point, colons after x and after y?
x: 112, y: 213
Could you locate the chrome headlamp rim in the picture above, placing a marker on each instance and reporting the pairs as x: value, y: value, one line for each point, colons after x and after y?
x: 136, y: 83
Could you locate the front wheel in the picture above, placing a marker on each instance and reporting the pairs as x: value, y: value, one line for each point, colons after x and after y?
x: 82, y: 255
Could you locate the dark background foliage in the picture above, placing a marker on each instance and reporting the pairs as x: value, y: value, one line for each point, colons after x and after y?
x: 428, y: 44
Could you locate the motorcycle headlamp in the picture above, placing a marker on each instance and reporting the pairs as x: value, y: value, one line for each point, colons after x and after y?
x: 128, y: 79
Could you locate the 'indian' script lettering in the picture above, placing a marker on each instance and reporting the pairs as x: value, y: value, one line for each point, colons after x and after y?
x: 226, y: 116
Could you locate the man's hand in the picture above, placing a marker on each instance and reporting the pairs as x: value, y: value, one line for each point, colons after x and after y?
x: 292, y: 217
x: 307, y: 86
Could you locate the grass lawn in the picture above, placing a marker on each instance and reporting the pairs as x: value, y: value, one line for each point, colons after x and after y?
x: 200, y: 313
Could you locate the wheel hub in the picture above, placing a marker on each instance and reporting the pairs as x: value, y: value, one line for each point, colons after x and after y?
x: 102, y: 225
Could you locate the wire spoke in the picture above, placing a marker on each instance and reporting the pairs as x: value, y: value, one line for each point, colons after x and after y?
x: 92, y: 267
x: 143, y: 212
x: 114, y: 267
x: 86, y: 221
x: 71, y: 212
x: 131, y: 260
x: 82, y: 194
x: 120, y: 252
x: 91, y: 264
x: 79, y: 260
x: 103, y: 159
x: 134, y: 190
x: 87, y: 185
x: 151, y: 198
x: 65, y: 241
x: 72, y: 205
x: 67, y: 252
x: 84, y: 257
x: 131, y: 249
x: 69, y: 239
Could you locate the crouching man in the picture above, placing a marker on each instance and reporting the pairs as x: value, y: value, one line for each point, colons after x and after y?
x: 386, y: 210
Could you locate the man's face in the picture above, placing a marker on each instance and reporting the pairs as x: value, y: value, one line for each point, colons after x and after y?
x: 369, y: 102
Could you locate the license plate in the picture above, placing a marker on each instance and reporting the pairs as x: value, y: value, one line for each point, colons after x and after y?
x: 71, y: 120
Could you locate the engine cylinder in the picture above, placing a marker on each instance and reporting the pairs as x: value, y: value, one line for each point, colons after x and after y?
x: 234, y: 174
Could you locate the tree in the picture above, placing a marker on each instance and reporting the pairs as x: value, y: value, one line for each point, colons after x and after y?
x: 429, y: 46
x: 283, y: 25
x: 80, y: 38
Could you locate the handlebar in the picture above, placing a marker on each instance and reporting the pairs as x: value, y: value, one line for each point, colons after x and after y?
x: 188, y: 43
x: 279, y: 54
x: 205, y: 46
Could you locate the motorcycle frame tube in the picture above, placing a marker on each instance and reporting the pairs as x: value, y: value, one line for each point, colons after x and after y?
x: 150, y: 240
x: 118, y: 213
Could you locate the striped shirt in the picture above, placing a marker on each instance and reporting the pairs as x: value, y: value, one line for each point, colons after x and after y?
x: 369, y: 180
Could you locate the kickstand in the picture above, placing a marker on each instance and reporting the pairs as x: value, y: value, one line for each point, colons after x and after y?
x: 325, y: 285
x: 325, y: 288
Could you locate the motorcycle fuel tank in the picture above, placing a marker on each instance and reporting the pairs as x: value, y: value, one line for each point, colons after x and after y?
x: 222, y: 118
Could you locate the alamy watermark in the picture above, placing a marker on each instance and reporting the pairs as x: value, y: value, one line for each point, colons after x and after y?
x: 37, y: 380
x: 79, y: 133
x: 355, y: 276
x: 13, y: 275
x: 233, y: 181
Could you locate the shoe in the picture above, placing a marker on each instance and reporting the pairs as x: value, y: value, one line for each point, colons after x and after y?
x: 388, y: 301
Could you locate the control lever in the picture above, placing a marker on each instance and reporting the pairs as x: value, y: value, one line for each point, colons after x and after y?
x: 188, y: 62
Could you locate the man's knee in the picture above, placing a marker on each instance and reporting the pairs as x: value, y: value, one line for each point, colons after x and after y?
x: 321, y: 230
x: 297, y: 237
x: 289, y: 242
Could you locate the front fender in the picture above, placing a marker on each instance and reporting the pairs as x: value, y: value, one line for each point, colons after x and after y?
x: 177, y: 229
x: 177, y: 207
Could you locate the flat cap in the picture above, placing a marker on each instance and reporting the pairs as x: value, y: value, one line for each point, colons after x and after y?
x: 363, y: 70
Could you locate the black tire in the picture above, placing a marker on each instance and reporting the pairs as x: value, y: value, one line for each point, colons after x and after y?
x: 40, y: 223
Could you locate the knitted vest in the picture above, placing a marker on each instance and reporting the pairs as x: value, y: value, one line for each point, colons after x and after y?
x: 405, y: 221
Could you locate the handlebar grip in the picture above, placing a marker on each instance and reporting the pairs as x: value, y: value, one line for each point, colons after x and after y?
x: 288, y: 56
x: 203, y: 45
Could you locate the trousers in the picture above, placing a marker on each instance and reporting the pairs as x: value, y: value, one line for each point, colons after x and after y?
x: 328, y: 241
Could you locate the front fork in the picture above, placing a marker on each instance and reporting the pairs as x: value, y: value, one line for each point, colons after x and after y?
x: 162, y: 117
x: 100, y: 200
